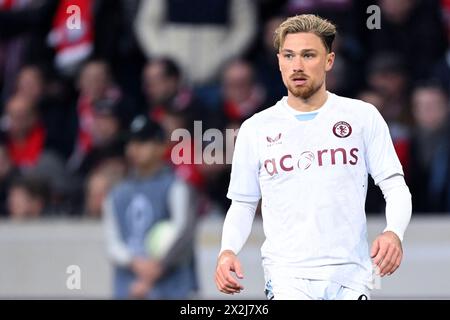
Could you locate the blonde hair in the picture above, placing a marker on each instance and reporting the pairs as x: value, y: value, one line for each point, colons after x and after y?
x: 323, y: 28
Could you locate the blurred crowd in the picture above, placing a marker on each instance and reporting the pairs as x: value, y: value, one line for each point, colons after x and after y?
x: 69, y: 94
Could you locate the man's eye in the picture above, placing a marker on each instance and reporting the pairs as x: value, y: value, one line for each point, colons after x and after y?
x: 308, y: 55
x: 288, y: 56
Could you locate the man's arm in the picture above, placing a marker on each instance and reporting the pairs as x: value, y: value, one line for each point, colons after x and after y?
x: 236, y: 229
x: 387, y: 250
x: 237, y: 225
x: 398, y: 204
x: 117, y: 250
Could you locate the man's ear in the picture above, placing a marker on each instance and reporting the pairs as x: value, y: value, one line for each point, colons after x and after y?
x: 330, y: 61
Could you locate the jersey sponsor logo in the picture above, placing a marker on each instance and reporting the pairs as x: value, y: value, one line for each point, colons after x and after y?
x: 305, y: 160
x: 342, y: 129
x: 274, y: 140
x: 325, y: 157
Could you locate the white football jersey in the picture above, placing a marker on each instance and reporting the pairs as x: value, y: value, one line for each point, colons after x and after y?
x: 312, y: 178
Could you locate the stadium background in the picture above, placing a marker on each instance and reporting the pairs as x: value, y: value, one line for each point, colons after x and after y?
x: 71, y: 93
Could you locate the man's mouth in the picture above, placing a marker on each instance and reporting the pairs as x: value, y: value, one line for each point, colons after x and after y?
x: 299, y: 81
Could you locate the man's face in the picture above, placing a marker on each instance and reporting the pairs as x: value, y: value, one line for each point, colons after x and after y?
x: 144, y: 154
x: 94, y: 80
x: 30, y: 83
x: 158, y: 87
x: 430, y: 108
x: 105, y: 129
x: 304, y: 61
x: 21, y: 117
x: 22, y: 205
x: 389, y: 83
x: 238, y: 82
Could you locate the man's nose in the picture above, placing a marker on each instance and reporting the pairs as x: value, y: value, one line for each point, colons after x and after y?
x: 298, y: 65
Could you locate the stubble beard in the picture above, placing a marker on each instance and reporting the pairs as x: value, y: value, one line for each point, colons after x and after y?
x: 303, y: 92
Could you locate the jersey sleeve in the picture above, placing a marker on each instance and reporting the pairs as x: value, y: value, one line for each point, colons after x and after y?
x: 244, y: 181
x: 381, y: 159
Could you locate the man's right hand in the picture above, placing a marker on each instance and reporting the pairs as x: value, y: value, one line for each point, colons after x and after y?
x: 146, y: 269
x: 225, y: 282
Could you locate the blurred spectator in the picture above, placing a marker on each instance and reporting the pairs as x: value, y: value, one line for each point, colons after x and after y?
x: 23, y: 27
x: 95, y: 81
x: 413, y: 29
x: 105, y: 164
x: 25, y: 133
x: 98, y: 185
x: 107, y: 122
x: 151, y: 194
x: 164, y: 90
x: 387, y: 76
x: 30, y: 83
x: 51, y: 102
x: 175, y: 106
x: 51, y: 169
x: 200, y: 35
x: 161, y: 82
x: 108, y: 136
x: 94, y: 84
x: 27, y: 198
x: 242, y: 95
x: 430, y: 150
x: 399, y: 131
x: 30, y: 151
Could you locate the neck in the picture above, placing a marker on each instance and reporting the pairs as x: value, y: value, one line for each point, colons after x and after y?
x: 312, y: 103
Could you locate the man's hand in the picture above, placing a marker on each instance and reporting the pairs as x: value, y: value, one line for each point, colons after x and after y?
x: 387, y: 252
x: 146, y: 269
x: 225, y: 282
x: 139, y: 289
